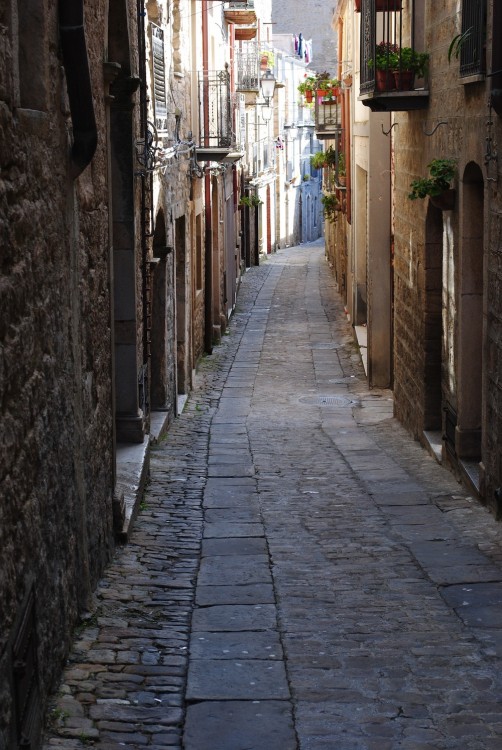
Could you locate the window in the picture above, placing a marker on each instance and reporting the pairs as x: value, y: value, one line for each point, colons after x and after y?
x: 473, y: 38
x: 159, y: 78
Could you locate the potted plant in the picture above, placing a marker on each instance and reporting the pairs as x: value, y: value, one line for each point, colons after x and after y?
x: 341, y: 173
x: 330, y: 155
x: 318, y: 160
x: 331, y: 206
x: 250, y: 201
x: 307, y: 87
x: 437, y: 185
x: 327, y: 87
x: 267, y: 59
x: 385, y: 63
x: 410, y: 63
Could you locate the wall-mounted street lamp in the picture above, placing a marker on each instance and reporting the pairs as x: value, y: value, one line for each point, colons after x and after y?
x: 291, y: 131
x: 267, y: 83
x: 266, y: 113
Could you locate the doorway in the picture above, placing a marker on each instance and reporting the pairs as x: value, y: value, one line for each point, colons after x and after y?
x: 470, y: 317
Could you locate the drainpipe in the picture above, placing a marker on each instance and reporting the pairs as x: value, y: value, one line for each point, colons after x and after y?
x: 208, y: 271
x: 78, y: 83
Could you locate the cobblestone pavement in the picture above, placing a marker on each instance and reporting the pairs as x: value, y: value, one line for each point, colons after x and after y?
x: 302, y: 575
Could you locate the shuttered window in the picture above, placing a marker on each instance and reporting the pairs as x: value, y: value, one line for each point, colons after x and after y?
x: 159, y: 78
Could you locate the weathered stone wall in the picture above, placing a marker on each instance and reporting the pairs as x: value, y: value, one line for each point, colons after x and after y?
x: 335, y: 234
x: 56, y: 439
x: 462, y: 110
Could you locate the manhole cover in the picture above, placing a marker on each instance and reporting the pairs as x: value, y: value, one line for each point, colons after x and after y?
x: 327, y: 400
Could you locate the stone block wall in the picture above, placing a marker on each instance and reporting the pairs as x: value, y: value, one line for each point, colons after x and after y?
x: 56, y: 440
x: 462, y: 110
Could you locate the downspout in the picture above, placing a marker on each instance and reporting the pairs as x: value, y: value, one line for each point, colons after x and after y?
x: 208, y: 270
x: 78, y: 83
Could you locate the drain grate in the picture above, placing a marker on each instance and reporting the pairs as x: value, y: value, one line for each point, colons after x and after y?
x: 327, y: 400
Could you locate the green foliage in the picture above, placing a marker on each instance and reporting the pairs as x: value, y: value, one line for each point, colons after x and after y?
x: 457, y: 43
x: 318, y: 160
x: 441, y: 173
x: 250, y: 200
x: 341, y: 164
x: 331, y: 206
x: 409, y: 59
x: 386, y: 57
x: 319, y: 81
x: 389, y: 56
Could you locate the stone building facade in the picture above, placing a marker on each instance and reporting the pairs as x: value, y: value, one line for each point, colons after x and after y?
x: 57, y: 427
x: 423, y: 274
x: 122, y: 247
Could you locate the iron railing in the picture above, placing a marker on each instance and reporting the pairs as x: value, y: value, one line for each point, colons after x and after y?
x: 215, y: 109
x: 473, y: 43
x: 247, y: 67
x: 327, y: 117
x: 385, y: 32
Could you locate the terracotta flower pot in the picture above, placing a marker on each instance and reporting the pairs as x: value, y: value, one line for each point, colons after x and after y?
x: 404, y: 80
x: 309, y: 96
x: 384, y: 80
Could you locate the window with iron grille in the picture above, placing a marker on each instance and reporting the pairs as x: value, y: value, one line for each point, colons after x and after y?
x: 473, y: 39
x: 159, y: 78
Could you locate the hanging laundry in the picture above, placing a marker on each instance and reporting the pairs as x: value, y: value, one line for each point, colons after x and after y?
x: 300, y: 45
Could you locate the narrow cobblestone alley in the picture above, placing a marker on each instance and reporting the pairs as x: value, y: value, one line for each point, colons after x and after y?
x: 302, y: 575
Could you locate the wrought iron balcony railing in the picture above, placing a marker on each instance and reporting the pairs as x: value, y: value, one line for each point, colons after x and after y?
x: 215, y: 110
x: 393, y: 67
x: 247, y: 67
x: 327, y: 117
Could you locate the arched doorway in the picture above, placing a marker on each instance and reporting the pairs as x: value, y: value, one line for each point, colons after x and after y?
x: 470, y: 317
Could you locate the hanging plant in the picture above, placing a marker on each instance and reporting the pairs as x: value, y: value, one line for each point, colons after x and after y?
x: 318, y: 160
x: 331, y: 206
x: 441, y: 173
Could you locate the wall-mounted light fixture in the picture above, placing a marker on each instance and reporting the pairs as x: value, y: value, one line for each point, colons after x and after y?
x: 291, y: 131
x: 266, y: 113
x: 267, y: 83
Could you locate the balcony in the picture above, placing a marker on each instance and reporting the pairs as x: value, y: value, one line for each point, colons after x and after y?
x: 393, y: 67
x: 215, y: 116
x: 245, y: 33
x: 240, y: 13
x: 327, y: 117
x: 247, y: 67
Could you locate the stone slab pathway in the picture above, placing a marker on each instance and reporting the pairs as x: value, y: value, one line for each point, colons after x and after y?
x: 302, y: 575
